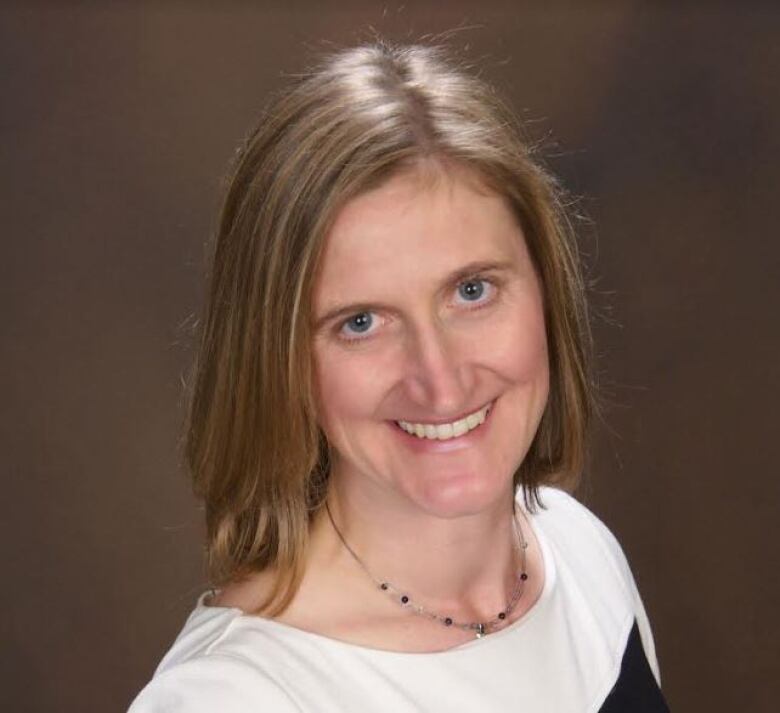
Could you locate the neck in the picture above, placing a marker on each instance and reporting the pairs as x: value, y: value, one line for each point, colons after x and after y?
x: 465, y: 565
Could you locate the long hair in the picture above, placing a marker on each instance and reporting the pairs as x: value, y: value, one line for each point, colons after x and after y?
x: 255, y: 452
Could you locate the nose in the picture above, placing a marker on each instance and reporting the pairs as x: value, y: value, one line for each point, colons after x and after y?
x: 440, y: 378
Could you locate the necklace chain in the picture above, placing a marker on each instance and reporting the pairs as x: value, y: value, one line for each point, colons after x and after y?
x: 481, y: 628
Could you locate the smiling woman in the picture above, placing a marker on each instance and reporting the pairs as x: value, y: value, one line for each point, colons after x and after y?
x: 460, y: 330
x: 393, y: 387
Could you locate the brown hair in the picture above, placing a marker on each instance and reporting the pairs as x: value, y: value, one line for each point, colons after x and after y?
x: 256, y: 454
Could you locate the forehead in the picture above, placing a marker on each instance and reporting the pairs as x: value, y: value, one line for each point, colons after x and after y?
x: 416, y: 227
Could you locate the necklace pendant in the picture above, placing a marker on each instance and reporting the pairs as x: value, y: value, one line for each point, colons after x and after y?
x: 480, y: 630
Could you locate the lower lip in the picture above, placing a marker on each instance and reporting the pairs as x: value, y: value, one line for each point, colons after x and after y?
x: 428, y: 445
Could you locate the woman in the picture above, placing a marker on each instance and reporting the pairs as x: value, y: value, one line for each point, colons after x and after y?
x: 393, y: 378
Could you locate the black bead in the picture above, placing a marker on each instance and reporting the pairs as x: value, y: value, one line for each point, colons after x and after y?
x: 404, y: 599
x: 448, y: 622
x: 524, y: 576
x: 383, y: 585
x: 502, y: 615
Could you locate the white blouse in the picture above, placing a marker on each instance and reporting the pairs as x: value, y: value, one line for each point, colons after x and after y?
x: 585, y: 645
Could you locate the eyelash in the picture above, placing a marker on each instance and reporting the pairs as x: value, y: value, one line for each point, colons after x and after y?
x: 477, y: 305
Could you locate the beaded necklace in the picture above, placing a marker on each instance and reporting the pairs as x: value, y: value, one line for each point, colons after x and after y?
x: 481, y: 628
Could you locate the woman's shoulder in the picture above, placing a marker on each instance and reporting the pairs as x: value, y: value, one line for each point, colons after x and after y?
x: 212, y: 682
x: 579, y: 531
x: 203, y: 671
x: 565, y: 512
x: 595, y: 556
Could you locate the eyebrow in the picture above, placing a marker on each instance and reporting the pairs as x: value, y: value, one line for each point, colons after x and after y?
x: 462, y: 273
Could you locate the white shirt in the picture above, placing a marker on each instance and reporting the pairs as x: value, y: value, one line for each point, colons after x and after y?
x: 585, y: 645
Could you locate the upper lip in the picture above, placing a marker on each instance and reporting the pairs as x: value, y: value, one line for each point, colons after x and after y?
x: 441, y: 421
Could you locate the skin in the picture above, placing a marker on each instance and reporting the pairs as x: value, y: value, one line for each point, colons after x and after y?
x: 419, y: 345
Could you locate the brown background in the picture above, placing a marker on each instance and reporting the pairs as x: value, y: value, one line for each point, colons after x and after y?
x: 118, y: 120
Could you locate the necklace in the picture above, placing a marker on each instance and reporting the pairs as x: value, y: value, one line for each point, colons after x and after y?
x: 480, y: 628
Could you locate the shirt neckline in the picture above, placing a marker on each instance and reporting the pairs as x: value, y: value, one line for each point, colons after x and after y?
x: 549, y: 570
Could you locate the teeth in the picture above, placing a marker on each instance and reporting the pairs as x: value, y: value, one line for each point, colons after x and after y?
x: 445, y: 431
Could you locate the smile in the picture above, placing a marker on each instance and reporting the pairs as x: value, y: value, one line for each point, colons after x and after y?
x: 446, y: 431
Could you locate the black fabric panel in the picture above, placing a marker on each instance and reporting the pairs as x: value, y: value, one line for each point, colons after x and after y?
x: 636, y: 690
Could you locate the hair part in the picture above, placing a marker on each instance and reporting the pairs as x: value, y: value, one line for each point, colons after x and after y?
x: 257, y: 457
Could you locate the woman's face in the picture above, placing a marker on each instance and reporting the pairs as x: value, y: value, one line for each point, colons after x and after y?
x: 427, y: 310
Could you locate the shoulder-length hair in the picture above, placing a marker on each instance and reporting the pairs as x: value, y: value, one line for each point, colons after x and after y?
x: 253, y: 446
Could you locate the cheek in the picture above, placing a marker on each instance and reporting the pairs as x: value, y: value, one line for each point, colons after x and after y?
x: 345, y: 390
x: 519, y: 349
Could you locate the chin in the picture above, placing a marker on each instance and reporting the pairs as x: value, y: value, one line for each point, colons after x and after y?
x: 457, y: 495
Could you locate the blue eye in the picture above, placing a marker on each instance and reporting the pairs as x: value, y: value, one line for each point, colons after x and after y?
x: 360, y: 322
x: 472, y: 290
